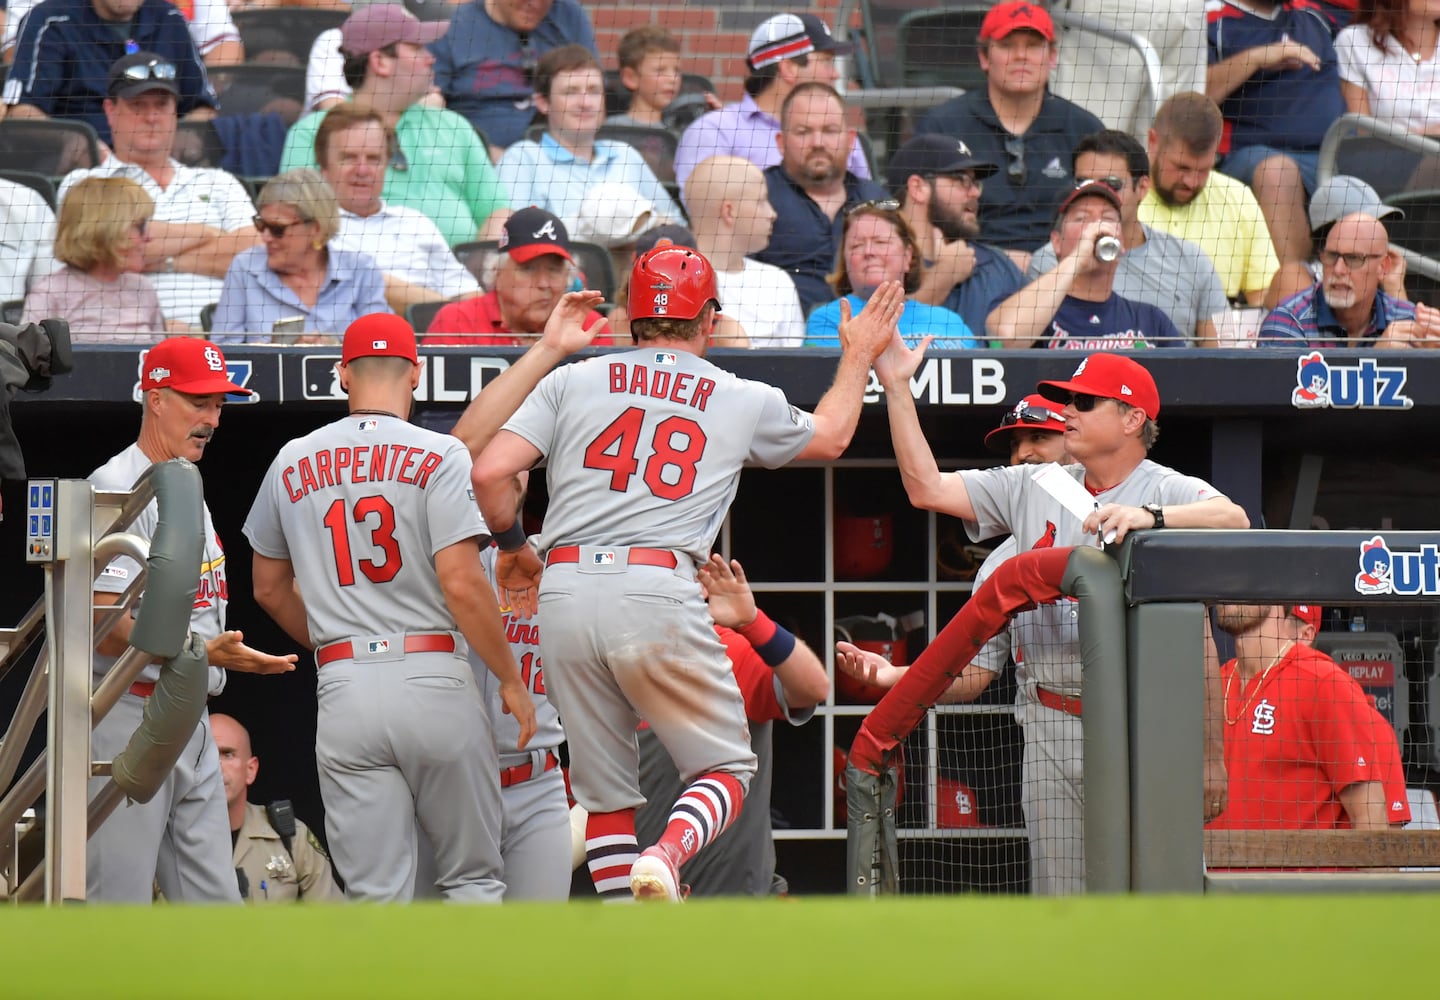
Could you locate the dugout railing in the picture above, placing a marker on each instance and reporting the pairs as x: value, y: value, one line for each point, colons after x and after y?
x: 73, y: 531
x: 1142, y: 624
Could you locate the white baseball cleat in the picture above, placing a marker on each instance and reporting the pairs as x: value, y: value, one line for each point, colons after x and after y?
x: 653, y: 878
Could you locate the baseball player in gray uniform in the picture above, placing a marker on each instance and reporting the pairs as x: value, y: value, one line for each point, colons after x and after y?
x: 644, y: 452
x: 180, y: 839
x: 366, y: 547
x: 1110, y: 406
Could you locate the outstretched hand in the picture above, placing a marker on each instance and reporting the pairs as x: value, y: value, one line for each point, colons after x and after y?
x: 517, y: 576
x: 565, y: 329
x: 228, y: 650
x: 867, y: 667
x: 869, y: 331
x: 516, y: 701
x: 901, y: 361
x: 728, y: 593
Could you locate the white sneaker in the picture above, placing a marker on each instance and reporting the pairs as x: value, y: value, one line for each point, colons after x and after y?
x: 653, y: 878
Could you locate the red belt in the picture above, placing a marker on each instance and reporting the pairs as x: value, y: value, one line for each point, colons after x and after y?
x: 637, y: 557
x: 1067, y: 703
x: 524, y: 772
x: 142, y: 689
x: 420, y: 642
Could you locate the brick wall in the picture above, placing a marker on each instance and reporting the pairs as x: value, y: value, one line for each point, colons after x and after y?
x: 713, y: 33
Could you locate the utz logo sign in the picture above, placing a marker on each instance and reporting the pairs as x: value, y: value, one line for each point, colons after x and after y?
x: 1364, y: 386
x: 1383, y: 571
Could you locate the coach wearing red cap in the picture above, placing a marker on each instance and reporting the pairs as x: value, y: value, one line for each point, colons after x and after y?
x: 1016, y: 122
x: 180, y: 839
x: 1110, y: 405
x: 531, y: 272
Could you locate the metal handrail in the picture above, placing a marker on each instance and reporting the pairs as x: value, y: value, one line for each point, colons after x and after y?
x: 1351, y: 123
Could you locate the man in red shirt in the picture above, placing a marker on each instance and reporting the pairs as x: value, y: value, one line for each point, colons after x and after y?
x: 532, y: 271
x: 1300, y: 735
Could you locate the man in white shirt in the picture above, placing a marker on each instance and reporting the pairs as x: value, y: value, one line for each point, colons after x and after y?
x: 352, y: 147
x: 202, y: 215
x: 731, y: 216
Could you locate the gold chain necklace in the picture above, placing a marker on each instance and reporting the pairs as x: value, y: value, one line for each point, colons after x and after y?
x: 1258, y: 684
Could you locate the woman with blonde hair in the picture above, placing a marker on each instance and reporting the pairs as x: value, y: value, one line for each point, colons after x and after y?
x: 101, y: 238
x: 295, y: 288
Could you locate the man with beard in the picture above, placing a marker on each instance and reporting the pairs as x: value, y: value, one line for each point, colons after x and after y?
x: 1347, y: 307
x: 1300, y: 736
x: 731, y: 216
x: 1217, y: 213
x: 1171, y: 274
x: 810, y: 190
x: 938, y: 183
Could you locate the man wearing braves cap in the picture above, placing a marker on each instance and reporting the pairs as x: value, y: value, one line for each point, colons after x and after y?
x: 1110, y: 406
x: 785, y: 51
x: 1340, y: 768
x: 531, y: 272
x: 367, y: 550
x: 938, y: 181
x: 1074, y: 306
x: 1015, y: 121
x: 180, y: 839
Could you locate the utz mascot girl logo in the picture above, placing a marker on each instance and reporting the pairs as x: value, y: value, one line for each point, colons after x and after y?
x: 1374, y: 575
x: 1403, y: 572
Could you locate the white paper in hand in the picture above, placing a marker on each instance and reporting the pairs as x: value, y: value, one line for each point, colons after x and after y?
x: 1065, y: 489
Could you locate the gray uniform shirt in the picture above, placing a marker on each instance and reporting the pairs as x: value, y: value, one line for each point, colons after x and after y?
x: 360, y: 507
x: 1007, y: 499
x: 524, y: 636
x: 645, y: 448
x: 207, y: 618
x: 1172, y: 274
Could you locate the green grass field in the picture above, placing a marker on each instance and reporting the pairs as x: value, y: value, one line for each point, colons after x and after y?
x: 1222, y: 947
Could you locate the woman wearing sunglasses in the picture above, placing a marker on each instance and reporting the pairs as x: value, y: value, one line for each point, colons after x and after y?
x: 101, y: 238
x: 877, y: 245
x: 295, y: 288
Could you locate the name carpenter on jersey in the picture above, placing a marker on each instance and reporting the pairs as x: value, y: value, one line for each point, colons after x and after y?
x: 366, y: 464
x: 658, y: 383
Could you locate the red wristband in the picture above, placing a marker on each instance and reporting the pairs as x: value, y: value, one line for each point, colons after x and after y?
x: 760, y: 631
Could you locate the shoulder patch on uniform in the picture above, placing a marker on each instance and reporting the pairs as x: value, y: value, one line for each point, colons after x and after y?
x: 314, y: 842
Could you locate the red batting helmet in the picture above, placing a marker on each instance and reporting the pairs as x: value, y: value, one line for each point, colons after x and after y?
x: 671, y: 282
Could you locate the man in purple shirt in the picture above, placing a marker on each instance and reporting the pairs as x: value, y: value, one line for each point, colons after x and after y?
x: 785, y: 51
x: 1347, y: 307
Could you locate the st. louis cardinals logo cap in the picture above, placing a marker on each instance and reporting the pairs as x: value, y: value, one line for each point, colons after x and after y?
x: 185, y: 364
x: 1109, y: 376
x: 379, y: 335
x: 533, y: 232
x: 1310, y: 614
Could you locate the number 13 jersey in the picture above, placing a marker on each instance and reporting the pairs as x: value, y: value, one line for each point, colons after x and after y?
x: 360, y: 507
x: 646, y: 447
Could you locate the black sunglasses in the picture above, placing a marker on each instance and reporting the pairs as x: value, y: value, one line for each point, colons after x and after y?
x: 1024, y: 413
x: 1016, y: 172
x: 276, y: 229
x: 1084, y: 402
x: 873, y: 205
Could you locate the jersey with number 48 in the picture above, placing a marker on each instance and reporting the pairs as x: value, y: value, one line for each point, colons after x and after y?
x: 360, y: 507
x: 646, y: 447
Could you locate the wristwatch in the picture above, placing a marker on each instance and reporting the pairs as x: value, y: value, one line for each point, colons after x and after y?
x: 1157, y: 512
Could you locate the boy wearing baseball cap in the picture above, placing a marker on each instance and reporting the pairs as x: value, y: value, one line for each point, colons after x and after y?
x: 183, y: 385
x: 785, y: 51
x: 1015, y: 121
x: 1109, y: 405
x: 532, y: 270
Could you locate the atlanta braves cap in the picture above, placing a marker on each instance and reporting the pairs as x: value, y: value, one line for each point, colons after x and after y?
x: 185, y: 364
x: 933, y: 154
x: 1110, y: 376
x: 139, y: 73
x: 533, y: 232
x: 1007, y: 18
x: 786, y: 36
x: 1033, y: 413
x: 379, y: 335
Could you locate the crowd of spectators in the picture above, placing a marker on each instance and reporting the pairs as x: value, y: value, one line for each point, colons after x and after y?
x: 429, y: 134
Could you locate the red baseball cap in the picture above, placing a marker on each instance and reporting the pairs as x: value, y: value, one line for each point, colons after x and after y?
x: 1110, y: 376
x: 379, y: 335
x: 186, y: 364
x: 1016, y: 15
x: 1033, y: 413
x: 379, y: 25
x: 1090, y: 189
x: 1308, y: 613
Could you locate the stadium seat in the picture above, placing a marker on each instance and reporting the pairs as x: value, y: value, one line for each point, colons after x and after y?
x: 940, y: 47
x: 197, y: 144
x: 49, y: 146
x: 259, y: 88
x: 1420, y: 229
x: 421, y: 314
x: 282, y: 36
x: 11, y: 311
x: 657, y: 145
x: 207, y: 316
x: 43, y: 185
x: 597, y: 268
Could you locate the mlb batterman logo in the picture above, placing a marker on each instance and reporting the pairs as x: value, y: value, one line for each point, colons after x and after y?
x: 1367, y: 385
x: 1384, y: 571
x: 603, y: 559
